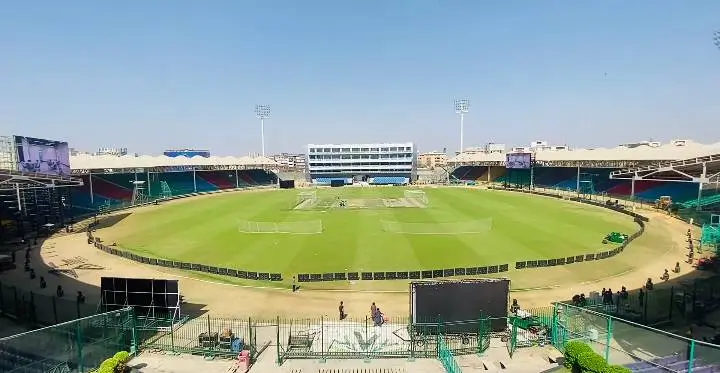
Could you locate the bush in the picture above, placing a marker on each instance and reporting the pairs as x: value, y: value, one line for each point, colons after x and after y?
x: 114, y: 364
x: 573, y: 350
x: 616, y: 369
x: 591, y: 362
x: 122, y: 356
x: 108, y: 366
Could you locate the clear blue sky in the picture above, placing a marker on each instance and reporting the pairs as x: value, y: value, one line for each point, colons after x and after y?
x: 154, y: 74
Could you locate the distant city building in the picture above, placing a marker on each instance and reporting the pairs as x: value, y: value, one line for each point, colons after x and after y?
x: 75, y: 152
x: 189, y: 153
x: 290, y: 162
x: 118, y: 152
x: 432, y: 160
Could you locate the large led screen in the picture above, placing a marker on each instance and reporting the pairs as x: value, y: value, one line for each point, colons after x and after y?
x: 43, y: 156
x: 518, y: 160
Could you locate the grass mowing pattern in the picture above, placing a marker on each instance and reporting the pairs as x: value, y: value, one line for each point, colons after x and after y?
x: 524, y: 227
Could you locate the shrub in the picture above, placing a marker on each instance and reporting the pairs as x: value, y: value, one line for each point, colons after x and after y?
x: 591, y: 362
x: 573, y: 349
x: 108, y: 366
x: 122, y: 356
x: 616, y: 369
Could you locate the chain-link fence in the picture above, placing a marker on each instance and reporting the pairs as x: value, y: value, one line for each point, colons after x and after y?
x: 79, y: 345
x: 623, y: 342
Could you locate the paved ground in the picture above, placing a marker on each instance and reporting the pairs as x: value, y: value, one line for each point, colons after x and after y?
x: 151, y: 362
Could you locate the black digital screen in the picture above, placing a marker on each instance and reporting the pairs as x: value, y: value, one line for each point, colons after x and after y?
x: 461, y: 303
x: 149, y: 297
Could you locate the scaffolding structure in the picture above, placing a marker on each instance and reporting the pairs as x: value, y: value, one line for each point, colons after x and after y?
x: 8, y: 155
x: 711, y: 233
x: 139, y: 195
x: 586, y: 184
x: 165, y: 191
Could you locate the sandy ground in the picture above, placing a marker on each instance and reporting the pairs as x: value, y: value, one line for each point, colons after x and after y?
x: 238, y: 301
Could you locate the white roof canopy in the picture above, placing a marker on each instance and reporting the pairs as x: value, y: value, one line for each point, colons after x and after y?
x: 641, y: 153
x: 92, y: 162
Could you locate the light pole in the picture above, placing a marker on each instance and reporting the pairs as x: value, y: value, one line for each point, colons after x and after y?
x: 461, y: 107
x: 262, y: 112
x: 716, y: 38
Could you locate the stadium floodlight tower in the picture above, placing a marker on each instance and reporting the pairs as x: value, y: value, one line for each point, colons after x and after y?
x: 262, y: 112
x: 461, y: 107
x: 716, y: 38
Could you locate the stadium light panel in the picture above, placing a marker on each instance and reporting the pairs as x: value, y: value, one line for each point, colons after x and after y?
x: 262, y: 111
x: 462, y: 106
x: 716, y: 38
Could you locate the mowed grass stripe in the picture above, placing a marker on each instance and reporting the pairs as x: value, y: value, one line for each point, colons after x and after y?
x: 524, y: 227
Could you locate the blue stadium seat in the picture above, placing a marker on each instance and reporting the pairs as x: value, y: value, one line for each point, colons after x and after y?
x: 680, y: 192
x: 328, y: 180
x: 389, y: 180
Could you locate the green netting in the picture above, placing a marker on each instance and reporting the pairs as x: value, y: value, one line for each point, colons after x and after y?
x: 446, y: 356
x: 79, y: 345
x: 623, y: 342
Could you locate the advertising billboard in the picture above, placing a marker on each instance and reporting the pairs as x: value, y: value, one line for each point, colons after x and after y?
x: 43, y: 156
x: 519, y: 160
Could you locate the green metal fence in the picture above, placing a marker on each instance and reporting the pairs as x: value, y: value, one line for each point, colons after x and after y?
x: 79, y: 345
x: 37, y: 309
x: 623, y: 342
x: 207, y: 336
x: 445, y: 354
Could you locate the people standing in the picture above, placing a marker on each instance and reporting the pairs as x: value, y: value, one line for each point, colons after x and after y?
x: 341, y: 311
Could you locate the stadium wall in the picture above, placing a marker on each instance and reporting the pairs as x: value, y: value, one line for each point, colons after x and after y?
x: 566, y: 178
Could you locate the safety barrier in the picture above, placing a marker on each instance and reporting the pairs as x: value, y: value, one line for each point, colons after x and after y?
x: 639, y: 347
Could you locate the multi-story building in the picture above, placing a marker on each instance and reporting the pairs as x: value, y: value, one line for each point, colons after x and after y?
x: 389, y: 163
x: 432, y: 160
x: 290, y: 162
x: 118, y: 152
x: 186, y: 153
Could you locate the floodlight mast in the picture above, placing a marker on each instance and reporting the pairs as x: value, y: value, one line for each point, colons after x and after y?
x: 461, y: 107
x: 716, y: 38
x: 262, y: 112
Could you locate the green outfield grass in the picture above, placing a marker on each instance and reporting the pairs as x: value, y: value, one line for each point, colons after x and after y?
x: 522, y: 227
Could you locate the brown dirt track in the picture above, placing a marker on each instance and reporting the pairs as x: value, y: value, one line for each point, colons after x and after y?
x: 232, y: 300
